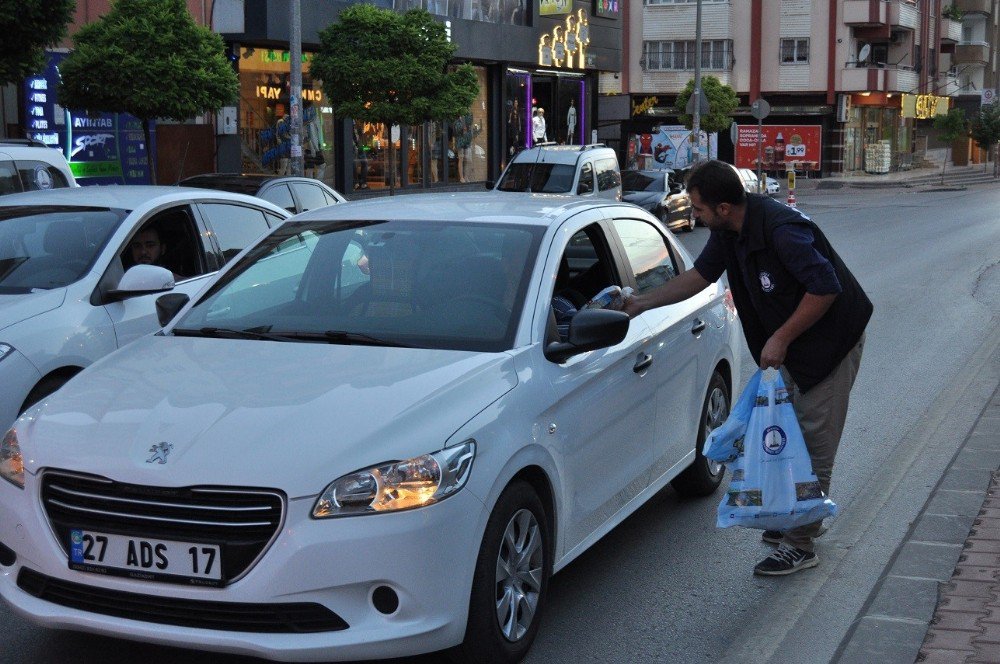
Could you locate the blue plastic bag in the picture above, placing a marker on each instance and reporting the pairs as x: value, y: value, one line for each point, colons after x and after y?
x: 773, y: 486
x: 725, y: 443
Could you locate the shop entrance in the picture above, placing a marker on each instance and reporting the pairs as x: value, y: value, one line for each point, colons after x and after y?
x: 563, y: 97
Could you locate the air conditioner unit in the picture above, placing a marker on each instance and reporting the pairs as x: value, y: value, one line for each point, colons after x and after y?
x: 843, y: 107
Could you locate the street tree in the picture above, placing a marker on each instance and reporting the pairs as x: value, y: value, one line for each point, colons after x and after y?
x: 148, y: 58
x: 985, y: 130
x: 951, y: 127
x: 381, y: 66
x: 722, y: 101
x: 28, y: 26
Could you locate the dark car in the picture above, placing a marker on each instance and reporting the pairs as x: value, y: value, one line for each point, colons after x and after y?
x: 662, y: 193
x: 295, y: 194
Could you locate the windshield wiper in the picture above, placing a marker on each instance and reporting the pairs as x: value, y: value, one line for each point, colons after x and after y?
x: 344, y: 337
x: 228, y: 333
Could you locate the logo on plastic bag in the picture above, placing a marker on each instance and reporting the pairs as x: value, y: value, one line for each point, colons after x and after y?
x: 766, y: 282
x: 774, y: 440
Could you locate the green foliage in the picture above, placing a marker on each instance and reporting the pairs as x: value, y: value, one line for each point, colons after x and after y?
x: 722, y: 101
x: 377, y: 65
x: 985, y: 127
x: 952, y: 12
x: 28, y: 26
x: 148, y: 58
x: 952, y: 126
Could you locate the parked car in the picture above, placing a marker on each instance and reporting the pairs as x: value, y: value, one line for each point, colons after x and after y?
x: 71, y: 290
x: 28, y: 165
x: 773, y: 186
x: 582, y: 170
x: 316, y: 460
x: 662, y: 193
x: 295, y: 194
x: 750, y: 181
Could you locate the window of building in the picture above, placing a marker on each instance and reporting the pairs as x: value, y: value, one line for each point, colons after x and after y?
x: 680, y: 55
x: 794, y: 51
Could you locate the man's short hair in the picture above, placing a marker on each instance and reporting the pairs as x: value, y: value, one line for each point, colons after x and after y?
x: 717, y: 182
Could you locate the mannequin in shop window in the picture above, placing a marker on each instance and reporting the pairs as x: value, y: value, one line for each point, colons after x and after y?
x: 283, y: 134
x: 538, y: 132
x: 465, y: 131
x: 361, y: 149
x: 571, y: 122
x: 515, y: 127
x: 434, y: 143
x: 314, y: 161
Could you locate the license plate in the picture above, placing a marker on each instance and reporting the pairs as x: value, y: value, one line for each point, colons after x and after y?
x: 144, y: 558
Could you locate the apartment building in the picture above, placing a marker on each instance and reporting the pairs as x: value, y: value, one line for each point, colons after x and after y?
x: 850, y: 83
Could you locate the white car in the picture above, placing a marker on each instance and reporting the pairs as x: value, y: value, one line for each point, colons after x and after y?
x: 67, y: 294
x: 578, y: 170
x: 773, y: 187
x: 27, y: 165
x: 366, y: 438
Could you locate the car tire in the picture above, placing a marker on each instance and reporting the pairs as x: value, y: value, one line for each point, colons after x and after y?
x: 703, y: 476
x: 517, y: 536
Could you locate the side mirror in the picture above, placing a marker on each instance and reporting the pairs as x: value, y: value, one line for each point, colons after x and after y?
x: 168, y: 305
x: 142, y: 280
x: 590, y: 329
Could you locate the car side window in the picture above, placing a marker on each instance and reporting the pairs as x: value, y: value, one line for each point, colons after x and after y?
x: 280, y: 196
x: 585, y: 269
x: 168, y: 239
x: 608, y: 176
x: 37, y: 176
x: 235, y: 226
x: 9, y: 182
x: 586, y: 185
x: 330, y: 200
x: 310, y: 196
x: 648, y: 253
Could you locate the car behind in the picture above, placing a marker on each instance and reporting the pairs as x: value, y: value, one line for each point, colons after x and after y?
x: 662, y: 193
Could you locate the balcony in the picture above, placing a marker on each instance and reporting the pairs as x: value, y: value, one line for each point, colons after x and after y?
x: 975, y: 6
x: 951, y: 31
x: 878, y: 79
x: 971, y: 53
x: 898, y: 13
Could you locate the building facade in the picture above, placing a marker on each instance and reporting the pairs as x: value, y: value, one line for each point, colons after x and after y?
x: 527, y: 54
x: 851, y: 84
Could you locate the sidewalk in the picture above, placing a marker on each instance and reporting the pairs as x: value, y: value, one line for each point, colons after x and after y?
x: 939, y: 600
x: 926, y: 179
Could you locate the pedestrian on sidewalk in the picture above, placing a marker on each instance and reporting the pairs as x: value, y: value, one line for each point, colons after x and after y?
x: 801, y: 309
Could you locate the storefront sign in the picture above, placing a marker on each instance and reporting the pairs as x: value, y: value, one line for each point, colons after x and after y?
x: 607, y: 8
x: 924, y: 106
x: 783, y: 146
x: 566, y: 46
x: 638, y: 108
x: 554, y: 7
x: 274, y: 92
x: 109, y: 148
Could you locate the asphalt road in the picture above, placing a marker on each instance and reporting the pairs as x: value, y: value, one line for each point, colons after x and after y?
x: 666, y: 585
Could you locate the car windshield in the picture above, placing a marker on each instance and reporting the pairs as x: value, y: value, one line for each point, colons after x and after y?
x: 538, y: 178
x: 639, y: 181
x: 43, y: 247
x: 426, y: 284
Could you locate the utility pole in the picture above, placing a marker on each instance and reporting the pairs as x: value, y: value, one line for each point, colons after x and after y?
x: 696, y: 121
x: 295, y: 85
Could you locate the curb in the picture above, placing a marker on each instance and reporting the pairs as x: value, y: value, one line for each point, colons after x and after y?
x: 927, y: 569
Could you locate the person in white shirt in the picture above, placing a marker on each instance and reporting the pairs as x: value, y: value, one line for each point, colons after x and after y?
x: 538, y: 127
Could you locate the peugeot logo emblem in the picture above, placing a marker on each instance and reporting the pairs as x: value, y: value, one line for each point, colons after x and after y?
x: 159, y: 452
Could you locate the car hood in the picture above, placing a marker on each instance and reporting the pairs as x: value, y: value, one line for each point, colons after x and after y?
x: 646, y: 199
x: 292, y: 416
x: 21, y: 307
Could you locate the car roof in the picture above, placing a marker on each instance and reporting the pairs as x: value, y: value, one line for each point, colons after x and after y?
x: 126, y: 197
x: 243, y: 183
x: 559, y: 154
x: 490, y: 207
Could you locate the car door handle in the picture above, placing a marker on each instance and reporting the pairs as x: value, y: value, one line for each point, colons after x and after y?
x: 698, y: 326
x: 642, y: 363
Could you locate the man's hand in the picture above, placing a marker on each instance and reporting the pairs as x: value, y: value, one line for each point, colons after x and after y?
x: 772, y: 356
x: 633, y: 306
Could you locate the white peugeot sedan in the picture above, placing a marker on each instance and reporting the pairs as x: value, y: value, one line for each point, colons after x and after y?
x: 73, y: 288
x: 366, y: 438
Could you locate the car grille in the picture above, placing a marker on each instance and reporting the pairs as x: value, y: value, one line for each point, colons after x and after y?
x: 303, y: 617
x: 241, y: 521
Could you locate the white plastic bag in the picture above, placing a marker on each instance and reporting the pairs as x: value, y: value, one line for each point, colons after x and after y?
x: 773, y: 486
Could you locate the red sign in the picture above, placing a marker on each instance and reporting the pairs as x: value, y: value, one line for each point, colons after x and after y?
x: 783, y: 145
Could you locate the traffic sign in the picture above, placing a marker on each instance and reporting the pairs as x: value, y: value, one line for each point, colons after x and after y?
x: 703, y: 109
x: 760, y: 109
x: 988, y: 96
x: 733, y: 132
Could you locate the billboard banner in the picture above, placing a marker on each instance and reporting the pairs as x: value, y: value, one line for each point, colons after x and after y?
x: 108, y: 148
x: 783, y: 146
x: 554, y: 7
x: 669, y: 146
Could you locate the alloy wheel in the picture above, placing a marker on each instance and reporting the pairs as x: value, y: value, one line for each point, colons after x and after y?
x: 519, y: 574
x: 715, y: 415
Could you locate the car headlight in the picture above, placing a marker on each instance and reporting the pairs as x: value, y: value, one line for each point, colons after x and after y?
x: 398, y: 485
x: 11, y: 462
x: 5, y: 350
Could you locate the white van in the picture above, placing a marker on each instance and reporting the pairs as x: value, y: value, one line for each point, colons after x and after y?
x: 577, y: 170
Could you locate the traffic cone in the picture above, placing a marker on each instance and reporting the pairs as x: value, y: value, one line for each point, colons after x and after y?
x: 791, y: 198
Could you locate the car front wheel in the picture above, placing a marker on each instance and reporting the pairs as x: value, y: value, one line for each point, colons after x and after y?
x: 703, y: 476
x: 511, y: 580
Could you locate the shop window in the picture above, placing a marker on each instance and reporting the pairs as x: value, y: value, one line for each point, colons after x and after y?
x: 469, y: 136
x: 794, y: 51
